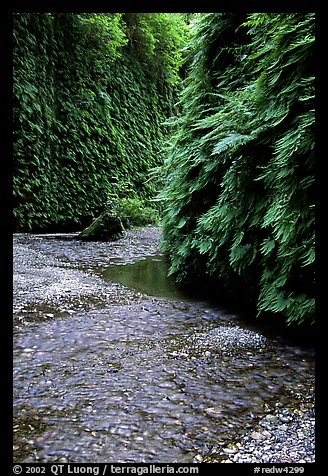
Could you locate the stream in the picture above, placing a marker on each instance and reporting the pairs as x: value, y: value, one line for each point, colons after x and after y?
x: 112, y: 363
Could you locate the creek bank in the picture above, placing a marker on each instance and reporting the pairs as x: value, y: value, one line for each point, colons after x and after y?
x: 104, y: 373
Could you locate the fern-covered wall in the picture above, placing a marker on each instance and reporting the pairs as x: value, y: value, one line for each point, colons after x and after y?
x: 240, y: 169
x: 91, y: 92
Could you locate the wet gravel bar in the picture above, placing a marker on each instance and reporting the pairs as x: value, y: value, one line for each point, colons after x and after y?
x: 106, y: 373
x: 283, y: 435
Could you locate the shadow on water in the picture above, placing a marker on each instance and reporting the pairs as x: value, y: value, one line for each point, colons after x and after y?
x: 150, y: 276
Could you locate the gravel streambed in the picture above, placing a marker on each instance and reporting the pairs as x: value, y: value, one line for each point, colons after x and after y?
x: 284, y: 435
x: 103, y: 373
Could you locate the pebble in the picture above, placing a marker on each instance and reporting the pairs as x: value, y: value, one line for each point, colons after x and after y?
x: 288, y: 437
x: 226, y: 339
x: 198, y: 459
x: 230, y: 450
x: 213, y: 412
x: 280, y: 435
x: 257, y: 436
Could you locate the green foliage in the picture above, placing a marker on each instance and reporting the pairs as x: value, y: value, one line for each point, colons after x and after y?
x: 102, y: 37
x: 88, y: 115
x: 239, y: 186
x: 156, y: 39
x: 136, y: 212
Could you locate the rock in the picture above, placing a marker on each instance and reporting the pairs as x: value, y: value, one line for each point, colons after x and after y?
x: 230, y: 450
x: 270, y: 418
x: 198, y: 459
x: 104, y: 228
x: 258, y: 436
x: 213, y: 412
x: 284, y: 419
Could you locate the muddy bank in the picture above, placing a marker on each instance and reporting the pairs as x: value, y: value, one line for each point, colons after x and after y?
x: 107, y: 373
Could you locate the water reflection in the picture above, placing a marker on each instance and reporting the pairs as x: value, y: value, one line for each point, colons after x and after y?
x: 148, y: 276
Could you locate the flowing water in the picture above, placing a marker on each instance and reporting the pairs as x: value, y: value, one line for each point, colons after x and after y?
x: 112, y: 363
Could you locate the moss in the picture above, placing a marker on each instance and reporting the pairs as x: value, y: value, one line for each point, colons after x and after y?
x: 104, y: 228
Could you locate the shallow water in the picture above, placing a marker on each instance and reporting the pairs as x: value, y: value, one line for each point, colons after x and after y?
x: 113, y: 364
x: 148, y: 276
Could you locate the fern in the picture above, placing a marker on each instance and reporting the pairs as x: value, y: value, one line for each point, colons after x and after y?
x: 89, y: 111
x: 240, y: 175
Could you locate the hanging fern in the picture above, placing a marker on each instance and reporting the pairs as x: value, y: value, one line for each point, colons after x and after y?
x: 240, y: 178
